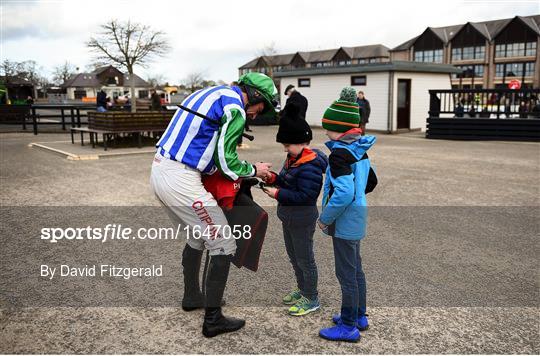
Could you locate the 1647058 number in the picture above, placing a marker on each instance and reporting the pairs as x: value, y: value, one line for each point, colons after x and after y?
x: 213, y: 231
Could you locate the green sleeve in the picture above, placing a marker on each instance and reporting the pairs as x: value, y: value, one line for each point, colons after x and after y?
x: 225, y: 156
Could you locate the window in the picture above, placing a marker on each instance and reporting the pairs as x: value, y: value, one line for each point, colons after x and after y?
x: 478, y: 71
x: 509, y: 50
x: 358, y: 80
x: 344, y: 63
x: 470, y: 71
x: 499, y: 70
x: 456, y: 54
x: 530, y: 49
x: 519, y: 49
x: 143, y: 94
x: 304, y: 82
x: 514, y: 69
x: 468, y: 53
x: 529, y: 69
x: 79, y: 94
x: 373, y: 60
x: 361, y: 61
x: 500, y: 50
x: 479, y: 52
x: 429, y: 56
x: 465, y: 53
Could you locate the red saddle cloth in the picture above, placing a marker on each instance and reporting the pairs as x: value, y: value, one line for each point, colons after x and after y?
x: 240, y: 209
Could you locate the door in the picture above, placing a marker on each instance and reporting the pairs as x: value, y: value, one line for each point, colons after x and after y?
x: 404, y: 104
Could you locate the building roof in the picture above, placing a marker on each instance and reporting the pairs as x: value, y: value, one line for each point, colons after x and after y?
x: 396, y: 66
x: 82, y: 80
x: 489, y: 29
x: 139, y: 82
x: 370, y: 51
x: 89, y: 80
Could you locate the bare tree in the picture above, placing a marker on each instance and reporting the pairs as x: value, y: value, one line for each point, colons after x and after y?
x: 156, y: 80
x: 194, y: 81
x: 128, y: 44
x: 32, y: 71
x: 9, y: 70
x: 61, y: 73
x: 267, y: 52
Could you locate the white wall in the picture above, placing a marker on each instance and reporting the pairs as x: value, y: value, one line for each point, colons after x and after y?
x: 421, y: 83
x: 325, y: 89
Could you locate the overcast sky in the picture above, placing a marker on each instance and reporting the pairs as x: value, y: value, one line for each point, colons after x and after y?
x: 216, y: 37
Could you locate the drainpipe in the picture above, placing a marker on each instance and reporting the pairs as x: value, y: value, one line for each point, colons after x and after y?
x: 390, y: 100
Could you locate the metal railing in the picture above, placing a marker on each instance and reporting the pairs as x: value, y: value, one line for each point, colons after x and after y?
x: 485, y: 103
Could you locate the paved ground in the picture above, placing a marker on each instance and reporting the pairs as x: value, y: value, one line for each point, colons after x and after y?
x: 451, y: 256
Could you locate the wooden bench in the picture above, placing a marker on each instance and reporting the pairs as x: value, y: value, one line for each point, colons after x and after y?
x: 106, y: 134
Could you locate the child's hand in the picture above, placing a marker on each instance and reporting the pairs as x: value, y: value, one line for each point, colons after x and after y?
x: 321, y: 225
x: 269, y: 177
x: 271, y: 192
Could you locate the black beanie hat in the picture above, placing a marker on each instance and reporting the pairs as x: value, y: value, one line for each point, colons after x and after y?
x: 293, y: 128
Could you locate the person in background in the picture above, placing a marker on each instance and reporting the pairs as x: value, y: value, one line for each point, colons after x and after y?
x: 101, y: 101
x: 459, y: 110
x: 294, y: 99
x: 523, y: 110
x: 365, y: 110
x: 535, y: 108
x: 472, y: 112
x: 155, y: 101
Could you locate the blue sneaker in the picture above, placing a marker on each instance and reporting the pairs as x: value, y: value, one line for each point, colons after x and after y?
x: 362, y: 322
x: 340, y: 332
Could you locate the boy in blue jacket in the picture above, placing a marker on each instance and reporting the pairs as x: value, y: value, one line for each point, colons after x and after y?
x: 344, y: 212
x: 297, y: 188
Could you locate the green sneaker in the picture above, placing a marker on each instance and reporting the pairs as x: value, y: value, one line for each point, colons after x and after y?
x: 292, y: 297
x: 304, y: 306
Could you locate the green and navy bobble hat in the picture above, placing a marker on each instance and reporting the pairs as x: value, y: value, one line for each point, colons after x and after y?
x: 343, y: 114
x: 264, y: 85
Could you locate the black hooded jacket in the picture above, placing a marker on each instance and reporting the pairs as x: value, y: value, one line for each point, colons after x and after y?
x: 298, y: 100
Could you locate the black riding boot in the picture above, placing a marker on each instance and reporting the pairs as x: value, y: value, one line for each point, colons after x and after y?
x: 191, y: 261
x: 215, y: 322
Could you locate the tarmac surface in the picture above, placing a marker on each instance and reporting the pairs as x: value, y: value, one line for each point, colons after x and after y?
x: 451, y: 256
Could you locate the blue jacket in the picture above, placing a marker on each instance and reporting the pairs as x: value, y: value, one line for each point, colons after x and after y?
x: 300, y: 182
x: 344, y: 207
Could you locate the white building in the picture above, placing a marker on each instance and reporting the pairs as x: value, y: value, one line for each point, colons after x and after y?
x: 397, y: 91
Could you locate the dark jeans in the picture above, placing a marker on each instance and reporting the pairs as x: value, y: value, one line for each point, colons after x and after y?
x: 351, y: 279
x: 299, y: 245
